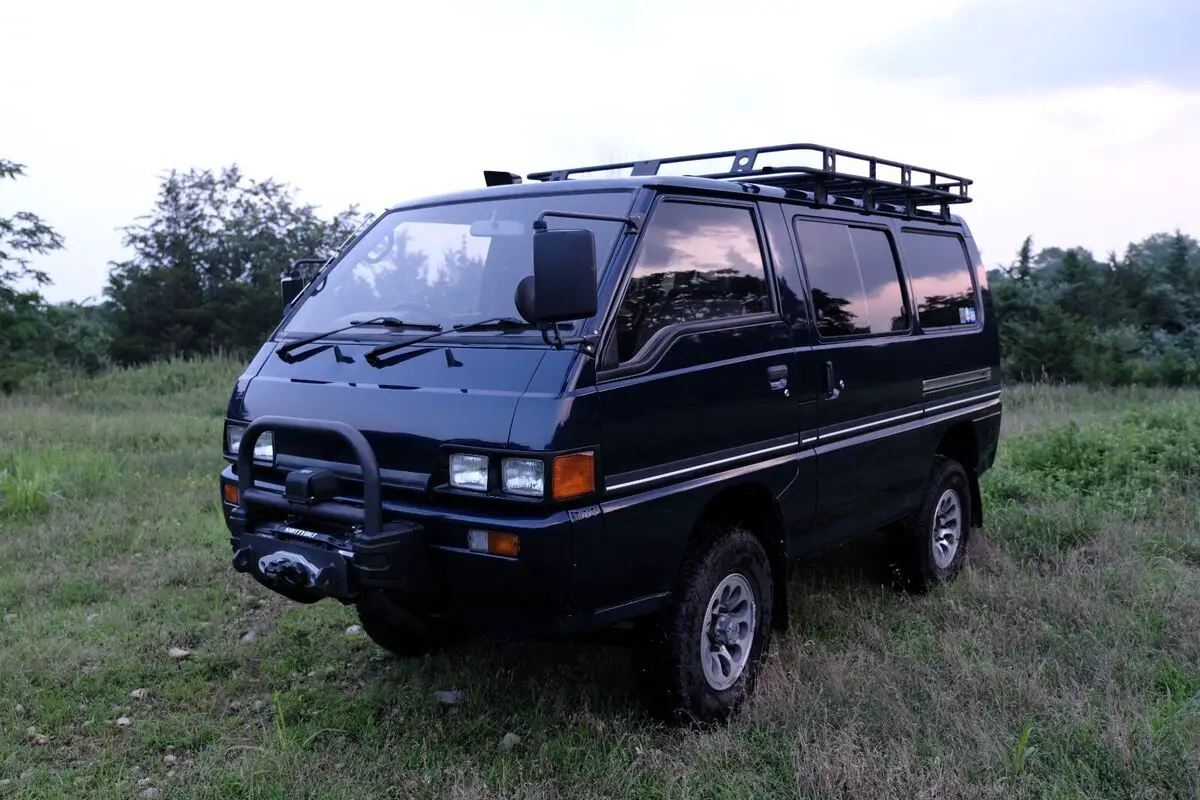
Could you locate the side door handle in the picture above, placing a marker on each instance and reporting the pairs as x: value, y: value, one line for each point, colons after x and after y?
x: 777, y: 376
x: 833, y: 384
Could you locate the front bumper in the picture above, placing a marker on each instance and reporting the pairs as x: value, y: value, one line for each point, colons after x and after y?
x: 307, y: 565
x: 343, y: 547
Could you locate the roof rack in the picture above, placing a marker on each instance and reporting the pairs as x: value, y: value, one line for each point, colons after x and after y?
x: 825, y: 185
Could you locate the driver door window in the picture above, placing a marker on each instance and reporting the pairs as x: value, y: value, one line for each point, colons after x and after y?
x: 697, y: 262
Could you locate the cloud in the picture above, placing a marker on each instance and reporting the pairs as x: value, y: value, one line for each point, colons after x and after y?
x: 1024, y: 46
x: 402, y: 100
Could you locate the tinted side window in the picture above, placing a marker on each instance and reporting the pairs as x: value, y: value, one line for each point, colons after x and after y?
x: 697, y: 262
x: 854, y: 279
x: 941, y: 279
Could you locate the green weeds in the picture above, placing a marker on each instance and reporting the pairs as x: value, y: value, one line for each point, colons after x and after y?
x: 1064, y: 663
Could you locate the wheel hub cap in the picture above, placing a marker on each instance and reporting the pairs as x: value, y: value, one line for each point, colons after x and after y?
x: 947, y: 528
x: 724, y: 630
x: 727, y: 634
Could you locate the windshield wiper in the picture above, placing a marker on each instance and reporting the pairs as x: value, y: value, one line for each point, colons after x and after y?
x: 285, y: 352
x: 496, y: 322
x: 504, y: 323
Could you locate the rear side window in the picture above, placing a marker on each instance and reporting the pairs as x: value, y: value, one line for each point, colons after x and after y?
x: 854, y: 279
x: 941, y: 279
x: 697, y: 262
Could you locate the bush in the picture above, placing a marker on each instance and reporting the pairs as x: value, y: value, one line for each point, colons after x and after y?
x: 1053, y: 487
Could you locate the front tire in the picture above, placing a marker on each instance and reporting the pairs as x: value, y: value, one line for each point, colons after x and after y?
x: 930, y: 545
x: 399, y: 632
x: 700, y: 657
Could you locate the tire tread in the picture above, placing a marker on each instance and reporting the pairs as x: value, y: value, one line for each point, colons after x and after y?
x: 911, y: 559
x: 670, y: 673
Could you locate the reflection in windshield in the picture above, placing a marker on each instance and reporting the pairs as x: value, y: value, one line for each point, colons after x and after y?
x: 448, y: 264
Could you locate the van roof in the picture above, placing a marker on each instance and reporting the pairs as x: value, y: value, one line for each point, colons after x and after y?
x: 829, y: 184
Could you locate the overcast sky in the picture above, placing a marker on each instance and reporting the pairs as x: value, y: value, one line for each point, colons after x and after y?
x: 1080, y: 125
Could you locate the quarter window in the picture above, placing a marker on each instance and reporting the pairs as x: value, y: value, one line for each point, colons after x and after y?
x: 854, y: 279
x: 697, y: 262
x: 941, y: 279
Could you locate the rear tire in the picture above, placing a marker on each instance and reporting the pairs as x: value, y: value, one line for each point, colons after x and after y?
x: 699, y: 658
x: 929, y: 546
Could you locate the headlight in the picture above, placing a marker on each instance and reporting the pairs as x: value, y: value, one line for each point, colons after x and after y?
x: 264, y: 448
x: 524, y: 476
x: 469, y: 472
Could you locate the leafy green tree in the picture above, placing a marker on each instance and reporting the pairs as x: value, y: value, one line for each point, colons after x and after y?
x: 1022, y: 269
x: 204, y: 276
x: 23, y: 325
x: 79, y: 337
x: 1066, y: 316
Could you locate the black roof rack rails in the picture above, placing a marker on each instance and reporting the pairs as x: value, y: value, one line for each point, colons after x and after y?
x: 877, y: 195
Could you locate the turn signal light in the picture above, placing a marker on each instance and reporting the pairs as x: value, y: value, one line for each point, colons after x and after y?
x: 494, y: 543
x: 504, y: 544
x: 574, y: 475
x: 230, y: 492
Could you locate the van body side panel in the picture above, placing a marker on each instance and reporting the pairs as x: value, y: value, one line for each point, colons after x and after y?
x: 646, y: 533
x: 560, y: 411
x: 798, y: 502
x: 960, y: 364
x: 553, y: 415
x: 987, y: 430
x: 869, y: 461
x: 705, y: 409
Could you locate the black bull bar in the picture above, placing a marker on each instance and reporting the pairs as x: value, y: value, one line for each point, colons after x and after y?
x: 308, y: 565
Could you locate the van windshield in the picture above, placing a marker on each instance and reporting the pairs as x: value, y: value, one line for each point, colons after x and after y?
x: 448, y: 264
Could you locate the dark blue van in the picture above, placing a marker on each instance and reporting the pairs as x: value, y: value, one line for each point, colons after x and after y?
x: 548, y: 407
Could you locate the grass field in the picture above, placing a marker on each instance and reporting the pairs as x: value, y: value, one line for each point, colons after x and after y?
x: 1064, y: 663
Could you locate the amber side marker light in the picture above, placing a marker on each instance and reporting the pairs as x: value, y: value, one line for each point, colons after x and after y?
x: 230, y: 490
x: 574, y: 475
x: 494, y: 543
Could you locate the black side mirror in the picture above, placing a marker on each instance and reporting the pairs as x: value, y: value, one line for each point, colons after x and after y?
x: 564, y: 278
x: 292, y: 283
x: 290, y: 286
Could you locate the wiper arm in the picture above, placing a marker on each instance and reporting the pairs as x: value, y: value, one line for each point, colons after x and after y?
x: 505, y: 323
x: 496, y: 322
x: 285, y: 352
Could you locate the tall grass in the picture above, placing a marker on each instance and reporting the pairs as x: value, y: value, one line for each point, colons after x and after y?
x: 177, y: 384
x: 1064, y: 663
x: 25, y: 489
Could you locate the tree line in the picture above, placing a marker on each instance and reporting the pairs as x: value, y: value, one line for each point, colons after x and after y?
x: 203, y: 277
x: 1132, y: 319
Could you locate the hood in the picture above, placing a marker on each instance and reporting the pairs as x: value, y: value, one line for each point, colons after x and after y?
x: 425, y: 397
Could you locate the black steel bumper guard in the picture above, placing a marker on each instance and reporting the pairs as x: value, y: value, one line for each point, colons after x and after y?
x: 358, y: 551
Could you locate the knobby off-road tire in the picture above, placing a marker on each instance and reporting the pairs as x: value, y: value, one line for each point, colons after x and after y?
x: 928, y: 547
x: 724, y: 599
x: 403, y: 635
